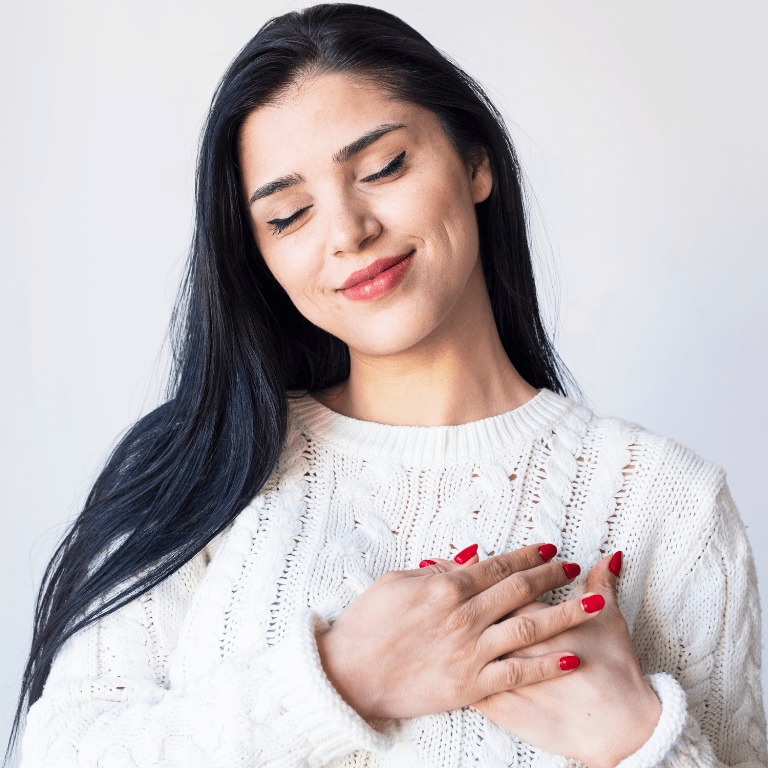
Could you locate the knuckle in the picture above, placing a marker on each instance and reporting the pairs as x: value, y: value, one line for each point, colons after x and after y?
x: 499, y: 568
x: 444, y: 590
x: 525, y: 630
x: 542, y: 668
x: 462, y: 580
x: 513, y: 675
x: 519, y: 589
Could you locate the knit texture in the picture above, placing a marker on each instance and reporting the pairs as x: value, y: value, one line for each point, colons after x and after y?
x: 218, y: 666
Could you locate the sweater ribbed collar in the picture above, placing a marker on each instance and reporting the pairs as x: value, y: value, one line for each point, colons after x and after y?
x: 430, y: 445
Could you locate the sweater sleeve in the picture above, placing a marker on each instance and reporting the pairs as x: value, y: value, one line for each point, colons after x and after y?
x: 108, y: 702
x: 712, y: 709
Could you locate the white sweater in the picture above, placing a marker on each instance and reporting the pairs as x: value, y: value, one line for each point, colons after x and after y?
x: 218, y: 666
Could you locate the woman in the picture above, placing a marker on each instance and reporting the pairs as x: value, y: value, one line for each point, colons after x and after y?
x: 242, y: 587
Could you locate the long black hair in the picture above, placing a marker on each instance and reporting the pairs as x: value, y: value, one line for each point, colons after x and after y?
x: 182, y: 473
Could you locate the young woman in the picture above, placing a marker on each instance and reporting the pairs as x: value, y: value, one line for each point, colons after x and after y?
x: 364, y: 387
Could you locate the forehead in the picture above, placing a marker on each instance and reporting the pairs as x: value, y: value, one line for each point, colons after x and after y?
x: 318, y: 116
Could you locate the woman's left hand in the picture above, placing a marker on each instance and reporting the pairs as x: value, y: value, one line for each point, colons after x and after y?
x: 602, y: 712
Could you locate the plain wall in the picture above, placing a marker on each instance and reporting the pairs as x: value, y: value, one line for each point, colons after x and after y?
x: 642, y: 127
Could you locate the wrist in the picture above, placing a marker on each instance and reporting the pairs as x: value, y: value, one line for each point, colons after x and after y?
x: 347, y: 682
x: 673, y: 718
x: 635, y: 733
x: 318, y: 719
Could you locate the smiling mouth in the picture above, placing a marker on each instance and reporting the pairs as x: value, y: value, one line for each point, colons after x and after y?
x: 373, y: 270
x: 377, y: 279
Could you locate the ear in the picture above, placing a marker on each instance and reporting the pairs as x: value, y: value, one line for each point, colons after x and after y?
x: 481, y: 176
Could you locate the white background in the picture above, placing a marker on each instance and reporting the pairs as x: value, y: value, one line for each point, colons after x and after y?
x: 643, y: 129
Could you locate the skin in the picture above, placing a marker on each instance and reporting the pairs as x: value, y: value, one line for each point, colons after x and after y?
x: 600, y: 714
x: 428, y: 353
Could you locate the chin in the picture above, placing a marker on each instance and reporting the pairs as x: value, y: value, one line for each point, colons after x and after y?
x: 382, y: 343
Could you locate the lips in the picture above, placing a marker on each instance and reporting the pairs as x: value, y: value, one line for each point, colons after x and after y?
x: 374, y: 269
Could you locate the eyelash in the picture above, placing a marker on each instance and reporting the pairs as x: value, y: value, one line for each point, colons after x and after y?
x: 279, y: 225
x: 393, y: 167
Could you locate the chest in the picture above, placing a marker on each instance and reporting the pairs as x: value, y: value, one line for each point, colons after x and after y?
x: 330, y: 522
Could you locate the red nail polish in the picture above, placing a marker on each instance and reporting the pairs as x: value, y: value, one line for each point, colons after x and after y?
x: 615, y: 565
x: 425, y: 563
x: 572, y: 570
x: 592, y: 603
x: 569, y: 662
x: 466, y: 554
x: 547, y: 552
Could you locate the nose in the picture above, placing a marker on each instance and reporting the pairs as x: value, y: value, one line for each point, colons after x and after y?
x: 352, y: 226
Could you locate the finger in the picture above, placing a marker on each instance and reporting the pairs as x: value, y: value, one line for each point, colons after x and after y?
x: 532, y: 607
x: 467, y: 556
x: 527, y: 629
x: 438, y: 565
x: 492, y: 570
x: 521, y: 588
x: 546, y: 552
x: 448, y: 565
x: 508, y: 674
x: 602, y: 578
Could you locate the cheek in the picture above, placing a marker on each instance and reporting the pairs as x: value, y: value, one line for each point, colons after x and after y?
x: 442, y: 215
x: 444, y: 206
x: 298, y: 273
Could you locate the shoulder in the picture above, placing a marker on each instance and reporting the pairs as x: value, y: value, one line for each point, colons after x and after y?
x: 660, y: 461
x: 660, y: 483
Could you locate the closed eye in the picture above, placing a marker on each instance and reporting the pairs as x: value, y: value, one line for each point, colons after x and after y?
x: 278, y: 225
x: 389, y: 169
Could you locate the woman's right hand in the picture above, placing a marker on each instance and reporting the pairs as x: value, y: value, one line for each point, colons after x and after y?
x: 426, y: 641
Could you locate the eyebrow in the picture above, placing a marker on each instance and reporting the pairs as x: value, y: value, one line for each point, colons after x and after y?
x: 348, y: 152
x: 365, y: 141
x: 278, y: 185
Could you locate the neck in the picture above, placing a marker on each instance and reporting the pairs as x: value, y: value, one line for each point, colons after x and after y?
x: 458, y: 374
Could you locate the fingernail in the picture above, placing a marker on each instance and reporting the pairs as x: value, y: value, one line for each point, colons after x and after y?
x: 569, y: 662
x: 547, y: 552
x: 425, y: 563
x: 615, y: 565
x: 572, y: 570
x: 466, y: 554
x: 592, y: 603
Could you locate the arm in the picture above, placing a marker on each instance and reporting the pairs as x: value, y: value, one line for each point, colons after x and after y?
x: 717, y: 632
x: 706, y: 657
x: 705, y: 653
x: 107, y: 702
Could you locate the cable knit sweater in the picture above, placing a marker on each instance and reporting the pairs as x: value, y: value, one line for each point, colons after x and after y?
x: 218, y: 666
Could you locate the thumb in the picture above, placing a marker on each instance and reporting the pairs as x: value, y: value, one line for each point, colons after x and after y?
x: 602, y: 578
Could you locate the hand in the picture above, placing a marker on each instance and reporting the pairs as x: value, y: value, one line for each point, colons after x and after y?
x: 426, y: 641
x: 601, y: 713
